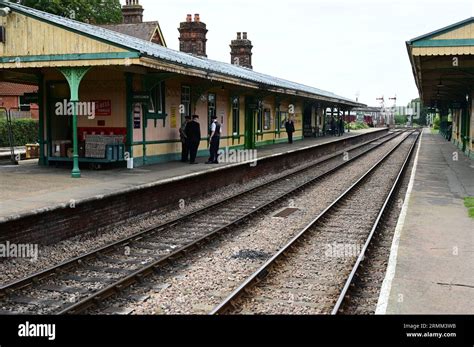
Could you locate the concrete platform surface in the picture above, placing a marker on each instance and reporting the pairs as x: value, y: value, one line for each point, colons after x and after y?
x: 29, y: 187
x: 431, y: 270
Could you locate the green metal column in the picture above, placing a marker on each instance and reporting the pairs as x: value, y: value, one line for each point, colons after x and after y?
x: 74, y: 76
x: 324, y: 108
x: 465, y: 128
x: 41, y: 123
x: 129, y: 113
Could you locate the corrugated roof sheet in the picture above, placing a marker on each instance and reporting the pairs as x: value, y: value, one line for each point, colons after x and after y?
x: 170, y: 55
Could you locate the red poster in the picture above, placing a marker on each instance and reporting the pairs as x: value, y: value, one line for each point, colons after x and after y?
x: 103, y: 108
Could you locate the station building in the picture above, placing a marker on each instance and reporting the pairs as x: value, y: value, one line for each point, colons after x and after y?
x: 12, y: 97
x: 142, y: 90
x: 443, y: 66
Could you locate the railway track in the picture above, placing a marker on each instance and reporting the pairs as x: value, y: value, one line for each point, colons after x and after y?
x: 312, y: 273
x: 363, y: 294
x: 83, y: 282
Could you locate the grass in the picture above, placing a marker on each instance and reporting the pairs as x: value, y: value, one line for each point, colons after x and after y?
x: 469, y: 203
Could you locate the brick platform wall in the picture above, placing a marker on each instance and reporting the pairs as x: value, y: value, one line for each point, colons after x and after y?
x: 57, y: 225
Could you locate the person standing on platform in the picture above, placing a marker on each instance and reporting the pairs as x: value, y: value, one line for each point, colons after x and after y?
x: 184, y: 140
x: 290, y: 129
x: 449, y: 134
x: 333, y: 126
x: 193, y: 134
x: 341, y: 126
x: 214, y: 141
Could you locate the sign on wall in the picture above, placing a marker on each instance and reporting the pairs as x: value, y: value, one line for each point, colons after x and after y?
x: 137, y: 116
x: 103, y: 108
x: 141, y: 97
x: 173, y: 119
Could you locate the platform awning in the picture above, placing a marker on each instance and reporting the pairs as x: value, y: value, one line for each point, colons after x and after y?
x: 443, y: 64
x: 81, y: 44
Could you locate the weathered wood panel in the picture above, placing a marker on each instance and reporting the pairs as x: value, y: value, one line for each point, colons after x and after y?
x: 27, y: 36
x: 464, y: 32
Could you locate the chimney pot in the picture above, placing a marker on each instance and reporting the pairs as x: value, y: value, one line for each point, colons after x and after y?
x: 132, y: 12
x: 241, y: 51
x: 192, y: 37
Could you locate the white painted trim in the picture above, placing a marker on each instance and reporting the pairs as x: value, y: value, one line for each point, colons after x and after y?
x: 384, y: 297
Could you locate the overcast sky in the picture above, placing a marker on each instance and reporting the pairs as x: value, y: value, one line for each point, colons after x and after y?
x: 347, y: 47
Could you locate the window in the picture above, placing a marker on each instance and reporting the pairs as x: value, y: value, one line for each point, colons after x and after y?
x: 211, y: 107
x: 267, y: 119
x: 157, y: 99
x: 259, y: 120
x: 235, y: 116
x: 282, y: 119
x: 24, y: 106
x: 186, y: 102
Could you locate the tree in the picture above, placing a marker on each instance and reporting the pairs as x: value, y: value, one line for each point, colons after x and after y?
x: 423, y: 111
x: 88, y: 11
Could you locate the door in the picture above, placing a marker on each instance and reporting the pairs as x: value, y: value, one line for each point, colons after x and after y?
x: 250, y: 111
x: 59, y: 123
x: 307, y: 121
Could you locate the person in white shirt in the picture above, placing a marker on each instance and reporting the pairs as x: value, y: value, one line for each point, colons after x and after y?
x: 214, y: 140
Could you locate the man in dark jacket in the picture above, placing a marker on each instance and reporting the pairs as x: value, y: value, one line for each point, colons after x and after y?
x: 341, y: 126
x: 184, y: 140
x: 333, y: 126
x: 290, y: 129
x: 193, y: 134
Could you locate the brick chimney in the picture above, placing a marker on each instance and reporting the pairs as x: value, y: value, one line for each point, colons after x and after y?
x: 192, y: 37
x: 241, y: 51
x: 132, y: 12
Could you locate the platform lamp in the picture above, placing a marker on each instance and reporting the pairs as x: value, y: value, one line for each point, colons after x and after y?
x: 5, y: 11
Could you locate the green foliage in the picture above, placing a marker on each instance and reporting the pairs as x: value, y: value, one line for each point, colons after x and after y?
x: 358, y: 126
x: 436, y: 122
x: 469, y: 203
x: 24, y: 131
x: 88, y: 11
x: 401, y: 120
x: 423, y: 120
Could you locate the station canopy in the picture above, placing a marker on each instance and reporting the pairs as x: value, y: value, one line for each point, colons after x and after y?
x: 128, y: 50
x: 443, y: 64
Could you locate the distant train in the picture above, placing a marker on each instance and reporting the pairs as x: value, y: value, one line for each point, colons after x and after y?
x: 369, y: 120
x: 369, y: 115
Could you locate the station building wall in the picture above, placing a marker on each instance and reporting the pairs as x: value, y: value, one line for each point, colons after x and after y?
x: 158, y: 140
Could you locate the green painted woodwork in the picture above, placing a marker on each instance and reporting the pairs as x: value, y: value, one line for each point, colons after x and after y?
x: 70, y: 57
x: 129, y: 112
x: 74, y: 76
x: 41, y: 122
x: 444, y: 43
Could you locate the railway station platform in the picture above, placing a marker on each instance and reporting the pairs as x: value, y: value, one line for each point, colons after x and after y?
x: 29, y: 189
x: 431, y: 268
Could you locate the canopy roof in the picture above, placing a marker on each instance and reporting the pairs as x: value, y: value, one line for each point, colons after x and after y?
x: 148, y: 51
